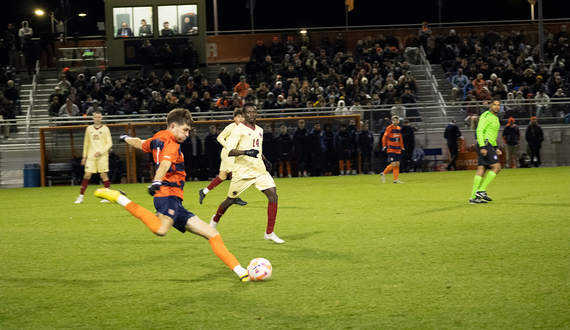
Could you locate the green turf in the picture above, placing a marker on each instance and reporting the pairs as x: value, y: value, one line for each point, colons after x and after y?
x: 358, y: 254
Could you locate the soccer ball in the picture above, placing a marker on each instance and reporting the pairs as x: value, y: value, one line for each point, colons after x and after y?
x: 259, y: 269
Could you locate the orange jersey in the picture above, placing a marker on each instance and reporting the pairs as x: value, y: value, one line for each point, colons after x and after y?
x: 392, y: 139
x: 164, y: 146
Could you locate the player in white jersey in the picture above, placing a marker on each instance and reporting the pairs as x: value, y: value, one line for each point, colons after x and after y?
x: 96, y: 153
x: 227, y: 164
x: 245, y: 144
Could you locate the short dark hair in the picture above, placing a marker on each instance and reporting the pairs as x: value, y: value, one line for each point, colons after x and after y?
x: 248, y: 104
x: 238, y: 112
x: 98, y: 111
x: 496, y: 98
x: 179, y: 116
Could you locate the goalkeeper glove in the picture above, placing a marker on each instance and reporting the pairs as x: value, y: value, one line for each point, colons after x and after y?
x: 154, y: 187
x: 123, y: 138
x: 251, y: 153
x: 268, y: 165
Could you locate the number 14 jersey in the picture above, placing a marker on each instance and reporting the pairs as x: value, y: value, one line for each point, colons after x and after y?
x: 245, y: 138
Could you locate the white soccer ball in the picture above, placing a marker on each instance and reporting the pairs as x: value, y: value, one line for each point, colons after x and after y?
x: 259, y: 269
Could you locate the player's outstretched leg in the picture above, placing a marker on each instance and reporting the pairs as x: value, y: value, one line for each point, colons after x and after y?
x: 146, y: 216
x: 199, y: 227
x: 271, y: 194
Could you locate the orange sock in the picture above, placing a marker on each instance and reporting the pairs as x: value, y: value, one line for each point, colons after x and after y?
x: 396, y: 172
x: 388, y: 169
x: 288, y: 168
x: 222, y: 252
x: 280, y: 169
x: 146, y: 216
x: 348, y: 165
x: 341, y: 165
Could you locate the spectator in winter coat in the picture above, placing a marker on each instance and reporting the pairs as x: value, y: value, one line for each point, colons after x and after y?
x: 534, y: 137
x: 242, y: 87
x: 212, y: 151
x: 458, y: 82
x: 365, y: 143
x: 284, y: 146
x: 301, y: 147
x: 512, y: 137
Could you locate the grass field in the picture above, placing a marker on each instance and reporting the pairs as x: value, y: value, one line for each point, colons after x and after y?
x: 358, y: 254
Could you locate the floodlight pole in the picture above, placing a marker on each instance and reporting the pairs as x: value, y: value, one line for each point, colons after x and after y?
x: 346, y: 17
x: 251, y: 15
x: 216, y: 17
x: 540, y: 31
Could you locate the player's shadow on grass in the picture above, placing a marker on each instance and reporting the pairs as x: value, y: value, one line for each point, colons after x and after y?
x: 301, y: 236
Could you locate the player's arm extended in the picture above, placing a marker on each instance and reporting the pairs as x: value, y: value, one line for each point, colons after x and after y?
x: 135, y: 142
x: 162, y: 169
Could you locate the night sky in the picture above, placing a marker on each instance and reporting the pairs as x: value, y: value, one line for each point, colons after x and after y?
x: 272, y: 14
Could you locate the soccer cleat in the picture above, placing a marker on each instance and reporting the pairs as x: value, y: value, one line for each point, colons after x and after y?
x: 273, y: 237
x: 398, y: 181
x: 109, y: 194
x: 202, y: 195
x: 383, y: 177
x: 79, y: 199
x: 476, y: 201
x: 245, y: 278
x: 213, y: 224
x: 354, y: 172
x: 105, y: 201
x: 483, y: 195
x: 240, y: 202
x: 341, y: 173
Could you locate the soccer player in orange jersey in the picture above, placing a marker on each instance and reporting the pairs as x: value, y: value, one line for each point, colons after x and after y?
x: 167, y: 189
x: 392, y: 142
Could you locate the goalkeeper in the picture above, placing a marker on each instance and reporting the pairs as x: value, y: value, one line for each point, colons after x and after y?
x: 487, y: 153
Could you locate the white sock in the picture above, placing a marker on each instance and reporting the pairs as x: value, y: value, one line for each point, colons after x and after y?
x: 205, y: 190
x: 240, y: 271
x: 123, y: 200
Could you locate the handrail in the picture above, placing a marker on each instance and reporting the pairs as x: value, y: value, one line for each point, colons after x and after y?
x: 33, y: 92
x: 434, y: 85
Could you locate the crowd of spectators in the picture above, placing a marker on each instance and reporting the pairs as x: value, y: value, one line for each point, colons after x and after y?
x: 507, y: 66
x: 281, y: 76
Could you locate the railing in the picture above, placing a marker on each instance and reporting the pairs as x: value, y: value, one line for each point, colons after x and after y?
x: 436, y: 94
x: 33, y: 92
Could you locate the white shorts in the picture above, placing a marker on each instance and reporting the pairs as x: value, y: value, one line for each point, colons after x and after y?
x: 227, y: 164
x: 97, y: 164
x: 237, y: 186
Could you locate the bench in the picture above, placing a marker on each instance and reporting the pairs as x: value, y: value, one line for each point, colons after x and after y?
x: 433, y: 152
x: 59, y: 172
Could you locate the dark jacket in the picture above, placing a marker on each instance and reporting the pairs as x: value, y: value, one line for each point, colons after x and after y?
x: 534, y: 136
x: 316, y: 142
x: 511, y: 135
x: 408, y: 136
x: 284, y: 144
x: 212, y: 146
x: 344, y: 142
x: 365, y: 142
x: 452, y: 133
x: 268, y: 147
x: 300, y: 140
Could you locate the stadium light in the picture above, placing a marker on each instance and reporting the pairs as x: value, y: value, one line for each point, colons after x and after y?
x: 39, y: 12
x: 303, y: 31
x: 82, y: 15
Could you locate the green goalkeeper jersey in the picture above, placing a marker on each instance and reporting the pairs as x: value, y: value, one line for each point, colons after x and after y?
x: 488, y: 129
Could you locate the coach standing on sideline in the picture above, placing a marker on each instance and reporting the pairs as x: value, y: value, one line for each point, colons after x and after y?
x: 451, y: 134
